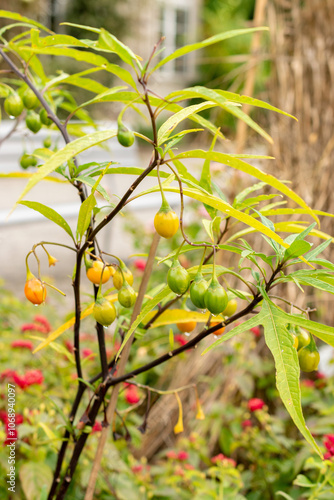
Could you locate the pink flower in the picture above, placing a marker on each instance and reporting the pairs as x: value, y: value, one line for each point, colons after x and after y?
x: 25, y: 344
x: 308, y: 383
x: 179, y: 471
x: 182, y: 455
x: 97, y: 427
x: 137, y: 468
x: 44, y: 322
x: 171, y: 454
x: 180, y: 339
x: 255, y: 404
x: 189, y: 467
x: 140, y: 264
x: 224, y: 460
x: 132, y: 395
x: 246, y: 423
x: 256, y: 331
x: 320, y: 375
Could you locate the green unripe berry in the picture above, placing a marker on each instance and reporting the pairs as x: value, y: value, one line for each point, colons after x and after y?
x: 43, y: 116
x: 125, y: 136
x: 13, y: 105
x: 33, y: 122
x: 29, y: 98
x: 215, y: 298
x: 178, y: 278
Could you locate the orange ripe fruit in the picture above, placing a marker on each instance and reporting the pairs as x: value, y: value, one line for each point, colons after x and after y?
x: 35, y: 291
x: 94, y: 272
x: 186, y: 327
x: 217, y: 332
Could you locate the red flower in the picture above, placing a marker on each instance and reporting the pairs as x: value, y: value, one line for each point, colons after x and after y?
x: 171, y: 454
x: 44, y: 322
x: 246, y: 423
x: 255, y: 404
x: 180, y: 339
x: 132, y: 395
x: 68, y: 344
x: 140, y: 264
x: 3, y: 416
x: 31, y: 377
x: 7, y: 374
x: 25, y: 344
x: 27, y: 327
x: 182, y: 455
x: 256, y: 331
x: 320, y: 375
x: 329, y: 443
x: 224, y: 460
x: 97, y: 427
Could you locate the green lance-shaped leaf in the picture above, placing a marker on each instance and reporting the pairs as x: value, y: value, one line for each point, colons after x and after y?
x: 223, y: 97
x: 280, y: 343
x: 165, y: 292
x: 85, y: 214
x: 251, y: 170
x: 89, y: 181
x: 167, y: 128
x: 205, y: 43
x: 297, y: 248
x: 65, y: 154
x: 81, y: 55
x: 17, y: 17
x: 50, y: 214
x: 110, y: 42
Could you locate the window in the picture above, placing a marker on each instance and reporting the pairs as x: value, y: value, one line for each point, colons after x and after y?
x: 175, y: 27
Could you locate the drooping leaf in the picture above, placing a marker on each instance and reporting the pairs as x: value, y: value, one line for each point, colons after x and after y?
x: 223, y: 96
x: 65, y: 154
x: 173, y: 316
x: 18, y: 17
x: 250, y: 170
x: 50, y: 214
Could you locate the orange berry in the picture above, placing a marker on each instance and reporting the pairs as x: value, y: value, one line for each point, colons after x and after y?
x: 217, y: 332
x: 186, y: 327
x: 35, y: 291
x: 94, y: 272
